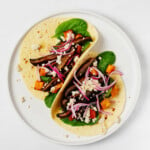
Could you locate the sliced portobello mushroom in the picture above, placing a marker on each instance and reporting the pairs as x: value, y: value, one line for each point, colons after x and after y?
x: 64, y: 60
x: 47, y: 86
x: 44, y: 59
x: 64, y: 103
x: 84, y: 67
x: 64, y: 114
x: 69, y: 89
x: 82, y: 40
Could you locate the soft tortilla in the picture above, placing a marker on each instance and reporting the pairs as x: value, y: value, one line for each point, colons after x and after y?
x: 103, y: 125
x: 41, y: 34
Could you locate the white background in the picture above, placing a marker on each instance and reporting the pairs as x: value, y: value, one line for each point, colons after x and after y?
x: 133, y: 16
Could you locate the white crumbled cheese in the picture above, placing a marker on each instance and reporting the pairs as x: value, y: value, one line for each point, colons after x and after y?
x: 66, y: 68
x: 53, y: 73
x: 80, y: 96
x: 76, y: 59
x: 95, y: 63
x: 99, y: 58
x: 72, y: 35
x: 76, y: 45
x: 87, y: 117
x: 63, y: 39
x: 88, y: 84
x: 94, y: 108
x: 58, y: 80
x: 58, y: 61
x: 72, y: 43
x: 35, y: 46
x: 70, y: 103
x: 74, y: 93
x: 66, y: 46
x: 93, y: 120
x: 52, y: 89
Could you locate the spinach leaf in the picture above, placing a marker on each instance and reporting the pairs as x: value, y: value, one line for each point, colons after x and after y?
x: 107, y: 58
x: 85, y: 45
x: 108, y: 93
x: 46, y: 79
x: 75, y: 24
x: 49, y: 99
x: 78, y: 123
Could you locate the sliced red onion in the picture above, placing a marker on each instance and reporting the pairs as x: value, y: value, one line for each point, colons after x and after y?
x: 84, y: 115
x: 87, y: 73
x: 61, y: 76
x: 97, y: 103
x: 69, y: 60
x: 116, y: 72
x: 100, y: 74
x: 81, y: 91
x: 105, y: 87
x: 78, y: 105
x: 75, y: 77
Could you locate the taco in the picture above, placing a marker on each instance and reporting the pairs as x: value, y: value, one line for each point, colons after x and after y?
x: 50, y: 50
x: 93, y: 99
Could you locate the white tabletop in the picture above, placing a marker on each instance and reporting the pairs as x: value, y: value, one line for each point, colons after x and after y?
x: 131, y: 15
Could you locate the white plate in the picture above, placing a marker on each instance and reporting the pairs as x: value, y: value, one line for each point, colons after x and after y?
x: 37, y: 116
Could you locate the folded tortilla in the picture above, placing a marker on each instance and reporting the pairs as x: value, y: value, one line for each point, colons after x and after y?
x: 103, y: 124
x: 41, y: 34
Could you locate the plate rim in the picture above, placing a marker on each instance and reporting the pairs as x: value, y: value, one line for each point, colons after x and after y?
x: 126, y: 37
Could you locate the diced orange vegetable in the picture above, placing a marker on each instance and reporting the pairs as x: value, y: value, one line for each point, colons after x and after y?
x: 66, y: 33
x: 110, y: 68
x: 55, y: 88
x: 38, y: 85
x: 78, y: 36
x: 93, y: 72
x: 114, y: 91
x: 105, y: 103
x: 42, y: 72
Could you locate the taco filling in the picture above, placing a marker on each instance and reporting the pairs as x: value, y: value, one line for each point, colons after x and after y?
x: 90, y: 92
x: 52, y: 69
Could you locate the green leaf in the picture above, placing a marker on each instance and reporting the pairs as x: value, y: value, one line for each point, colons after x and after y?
x: 75, y: 24
x: 78, y: 123
x: 107, y: 58
x: 49, y: 99
x: 46, y: 79
x: 108, y: 93
x: 85, y: 45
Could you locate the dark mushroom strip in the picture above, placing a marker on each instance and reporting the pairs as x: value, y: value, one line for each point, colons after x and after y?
x: 64, y: 114
x: 82, y: 40
x: 69, y: 89
x: 64, y: 103
x: 64, y: 60
x: 84, y: 67
x: 44, y: 59
x: 47, y: 87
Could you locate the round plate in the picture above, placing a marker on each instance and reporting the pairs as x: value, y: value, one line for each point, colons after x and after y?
x: 37, y: 116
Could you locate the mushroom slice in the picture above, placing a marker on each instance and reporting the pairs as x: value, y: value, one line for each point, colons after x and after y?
x: 44, y: 59
x: 64, y: 114
x: 84, y: 67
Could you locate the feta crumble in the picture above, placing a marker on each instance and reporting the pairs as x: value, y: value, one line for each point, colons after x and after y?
x: 95, y: 63
x: 87, y: 117
x: 58, y: 61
